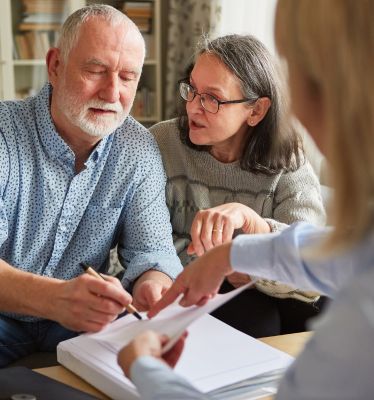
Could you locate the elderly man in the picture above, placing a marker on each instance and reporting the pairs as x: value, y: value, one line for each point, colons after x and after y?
x: 79, y: 176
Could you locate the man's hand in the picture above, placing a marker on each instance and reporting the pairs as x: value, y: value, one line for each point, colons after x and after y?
x: 199, y: 280
x: 149, y: 343
x: 88, y: 304
x: 149, y: 288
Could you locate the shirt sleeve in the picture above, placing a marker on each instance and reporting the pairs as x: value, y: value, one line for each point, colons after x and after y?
x: 155, y: 380
x: 147, y: 234
x: 4, y: 176
x: 337, y: 363
x: 292, y: 257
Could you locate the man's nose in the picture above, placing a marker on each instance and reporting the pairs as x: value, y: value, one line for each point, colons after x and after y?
x: 110, y: 90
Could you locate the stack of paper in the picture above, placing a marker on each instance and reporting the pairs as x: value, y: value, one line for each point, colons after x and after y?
x: 217, y: 358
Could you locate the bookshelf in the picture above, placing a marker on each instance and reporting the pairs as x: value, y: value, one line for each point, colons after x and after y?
x: 29, y: 27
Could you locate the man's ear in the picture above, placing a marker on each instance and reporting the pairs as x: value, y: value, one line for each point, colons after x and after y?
x: 258, y: 111
x: 53, y: 61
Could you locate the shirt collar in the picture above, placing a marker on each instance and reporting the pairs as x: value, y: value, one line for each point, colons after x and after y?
x: 53, y: 143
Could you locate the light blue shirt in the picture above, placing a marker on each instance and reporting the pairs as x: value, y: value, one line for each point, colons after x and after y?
x: 51, y: 218
x: 338, y: 362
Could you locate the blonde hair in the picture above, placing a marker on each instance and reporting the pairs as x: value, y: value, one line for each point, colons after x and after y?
x: 331, y: 44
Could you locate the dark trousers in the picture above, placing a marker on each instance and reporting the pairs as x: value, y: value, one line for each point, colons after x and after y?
x: 260, y: 315
x: 19, y: 339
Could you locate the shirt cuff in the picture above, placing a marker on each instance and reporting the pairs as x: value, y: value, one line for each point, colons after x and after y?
x: 143, y: 373
x: 168, y: 264
x: 253, y: 254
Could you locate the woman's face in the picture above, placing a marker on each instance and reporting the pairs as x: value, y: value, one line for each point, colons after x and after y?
x: 227, y: 128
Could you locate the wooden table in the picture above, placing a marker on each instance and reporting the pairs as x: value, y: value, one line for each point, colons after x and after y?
x: 291, y: 344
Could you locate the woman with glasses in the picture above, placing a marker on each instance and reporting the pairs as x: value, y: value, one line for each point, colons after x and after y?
x: 234, y: 165
x: 328, y: 47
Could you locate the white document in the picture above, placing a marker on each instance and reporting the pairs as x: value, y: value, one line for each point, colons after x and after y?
x: 172, y: 321
x: 217, y: 358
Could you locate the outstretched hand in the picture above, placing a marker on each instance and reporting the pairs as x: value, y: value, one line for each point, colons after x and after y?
x: 199, y: 280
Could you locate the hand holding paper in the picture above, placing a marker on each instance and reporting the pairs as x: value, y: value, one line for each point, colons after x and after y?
x: 150, y: 343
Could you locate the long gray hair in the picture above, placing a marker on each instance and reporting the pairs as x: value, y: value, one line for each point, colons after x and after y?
x: 273, y: 144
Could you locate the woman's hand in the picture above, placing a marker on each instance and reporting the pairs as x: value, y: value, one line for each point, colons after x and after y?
x: 215, y: 226
x: 150, y: 343
x: 199, y: 281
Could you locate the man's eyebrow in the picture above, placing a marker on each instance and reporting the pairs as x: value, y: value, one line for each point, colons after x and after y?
x: 95, y: 61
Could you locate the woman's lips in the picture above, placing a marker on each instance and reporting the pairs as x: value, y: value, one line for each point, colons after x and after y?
x: 195, y: 125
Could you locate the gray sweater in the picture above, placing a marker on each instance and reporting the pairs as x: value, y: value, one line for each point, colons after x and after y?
x: 196, y: 180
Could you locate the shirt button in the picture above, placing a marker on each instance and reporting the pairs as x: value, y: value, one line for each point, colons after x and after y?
x: 63, y: 228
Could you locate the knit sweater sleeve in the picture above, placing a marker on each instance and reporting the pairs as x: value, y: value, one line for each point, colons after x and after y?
x: 297, y: 198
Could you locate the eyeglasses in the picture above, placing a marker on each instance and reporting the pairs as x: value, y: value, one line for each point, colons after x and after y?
x: 208, y: 102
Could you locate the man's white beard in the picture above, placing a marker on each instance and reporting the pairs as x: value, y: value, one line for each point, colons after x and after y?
x: 82, y: 117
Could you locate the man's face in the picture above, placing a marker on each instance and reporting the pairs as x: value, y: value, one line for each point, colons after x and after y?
x: 96, y: 87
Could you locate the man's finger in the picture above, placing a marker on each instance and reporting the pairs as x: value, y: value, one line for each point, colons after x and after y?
x: 168, y: 298
x: 153, y: 295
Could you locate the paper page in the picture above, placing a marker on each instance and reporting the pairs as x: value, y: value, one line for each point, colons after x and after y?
x: 215, y: 355
x: 172, y: 321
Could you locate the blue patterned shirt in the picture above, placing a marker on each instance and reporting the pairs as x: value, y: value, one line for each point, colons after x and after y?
x: 51, y: 218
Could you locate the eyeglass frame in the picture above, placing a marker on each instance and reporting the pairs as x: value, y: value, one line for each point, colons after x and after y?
x: 219, y: 102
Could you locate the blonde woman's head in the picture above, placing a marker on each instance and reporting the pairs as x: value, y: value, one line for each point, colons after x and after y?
x: 328, y: 46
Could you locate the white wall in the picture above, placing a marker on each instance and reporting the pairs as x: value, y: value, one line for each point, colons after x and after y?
x: 255, y: 17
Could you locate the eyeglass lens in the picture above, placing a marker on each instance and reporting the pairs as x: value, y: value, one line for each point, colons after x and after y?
x: 188, y: 93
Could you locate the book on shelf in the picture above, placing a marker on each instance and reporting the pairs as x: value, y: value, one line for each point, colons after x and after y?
x: 23, y: 48
x: 43, y: 18
x: 38, y: 27
x: 141, y: 13
x: 144, y: 103
x: 150, y: 48
x: 42, y: 15
x: 43, y: 6
x: 33, y: 44
x: 217, y: 358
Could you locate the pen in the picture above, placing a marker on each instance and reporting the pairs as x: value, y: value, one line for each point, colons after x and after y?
x: 89, y: 270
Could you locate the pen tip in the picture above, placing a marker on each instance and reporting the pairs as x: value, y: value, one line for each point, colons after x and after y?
x: 137, y: 315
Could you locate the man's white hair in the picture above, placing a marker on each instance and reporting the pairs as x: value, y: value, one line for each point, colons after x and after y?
x: 71, y: 28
